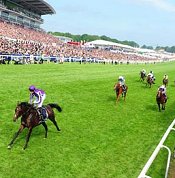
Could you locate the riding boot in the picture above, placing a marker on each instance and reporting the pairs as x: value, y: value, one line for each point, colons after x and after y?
x: 41, y: 118
x: 40, y: 111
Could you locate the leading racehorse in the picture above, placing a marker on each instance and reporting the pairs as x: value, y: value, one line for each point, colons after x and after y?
x: 30, y: 118
x: 161, y: 100
x: 120, y: 91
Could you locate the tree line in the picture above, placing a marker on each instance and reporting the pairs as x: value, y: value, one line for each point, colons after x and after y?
x: 87, y: 38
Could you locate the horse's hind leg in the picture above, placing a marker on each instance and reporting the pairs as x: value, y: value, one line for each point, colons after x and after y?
x: 46, y: 129
x: 55, y: 123
x: 15, y: 136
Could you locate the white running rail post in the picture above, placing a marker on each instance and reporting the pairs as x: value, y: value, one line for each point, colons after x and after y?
x: 156, y: 151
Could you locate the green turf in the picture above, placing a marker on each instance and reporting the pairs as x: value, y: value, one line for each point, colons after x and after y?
x: 98, y: 137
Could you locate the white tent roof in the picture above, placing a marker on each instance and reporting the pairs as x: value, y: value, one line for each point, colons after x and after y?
x: 145, y: 50
x: 108, y: 43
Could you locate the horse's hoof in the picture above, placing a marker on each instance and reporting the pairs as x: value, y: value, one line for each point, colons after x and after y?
x: 9, y: 147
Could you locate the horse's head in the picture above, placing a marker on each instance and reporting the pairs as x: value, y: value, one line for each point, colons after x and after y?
x: 149, y: 78
x: 20, y: 109
x: 165, y: 81
x: 159, y: 93
x: 117, y: 86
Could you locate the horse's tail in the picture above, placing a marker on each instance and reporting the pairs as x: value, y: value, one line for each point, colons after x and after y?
x: 54, y: 105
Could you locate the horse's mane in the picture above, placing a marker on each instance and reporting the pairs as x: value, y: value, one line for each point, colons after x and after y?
x: 25, y: 104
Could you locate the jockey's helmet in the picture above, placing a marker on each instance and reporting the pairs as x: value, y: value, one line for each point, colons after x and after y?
x: 32, y: 88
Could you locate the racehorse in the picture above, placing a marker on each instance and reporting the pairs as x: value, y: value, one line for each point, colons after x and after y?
x: 161, y: 100
x: 120, y: 91
x: 142, y: 76
x: 149, y: 81
x: 30, y: 118
x: 165, y: 82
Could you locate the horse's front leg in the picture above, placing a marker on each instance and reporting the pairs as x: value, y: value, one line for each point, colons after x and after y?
x: 124, y: 96
x: 159, y: 106
x: 163, y: 106
x: 27, y: 138
x: 15, y: 136
x: 117, y: 98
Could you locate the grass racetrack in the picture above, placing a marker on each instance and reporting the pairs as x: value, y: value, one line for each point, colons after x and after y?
x: 98, y: 137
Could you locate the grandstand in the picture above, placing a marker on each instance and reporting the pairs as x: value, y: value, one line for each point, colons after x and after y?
x: 25, y: 12
x: 22, y: 39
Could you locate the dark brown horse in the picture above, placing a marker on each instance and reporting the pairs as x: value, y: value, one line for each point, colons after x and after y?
x: 150, y: 81
x: 165, y: 82
x: 142, y: 76
x: 30, y: 118
x: 161, y: 100
x: 120, y: 91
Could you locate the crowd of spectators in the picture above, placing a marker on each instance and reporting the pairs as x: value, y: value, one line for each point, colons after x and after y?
x: 19, y: 40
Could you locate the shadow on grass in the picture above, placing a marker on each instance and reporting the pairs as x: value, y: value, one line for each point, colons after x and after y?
x: 37, y: 133
x: 113, y: 99
x: 152, y: 107
x: 173, y: 85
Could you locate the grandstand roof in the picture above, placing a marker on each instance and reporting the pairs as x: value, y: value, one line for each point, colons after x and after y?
x: 109, y: 43
x: 42, y: 7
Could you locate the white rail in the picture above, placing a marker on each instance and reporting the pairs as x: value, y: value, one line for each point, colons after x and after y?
x: 156, y: 151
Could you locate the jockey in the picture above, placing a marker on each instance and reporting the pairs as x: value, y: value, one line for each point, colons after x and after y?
x: 37, y: 98
x: 163, y: 89
x: 152, y: 76
x: 165, y: 77
x: 144, y: 71
x: 121, y: 81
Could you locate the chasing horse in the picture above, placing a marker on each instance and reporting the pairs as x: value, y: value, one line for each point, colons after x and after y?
x: 161, y: 97
x: 120, y: 90
x: 30, y: 118
x: 165, y: 80
x: 150, y: 81
x: 142, y: 75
